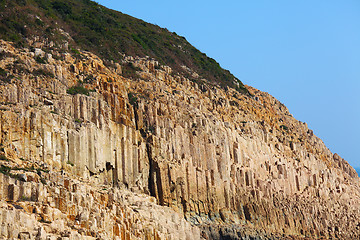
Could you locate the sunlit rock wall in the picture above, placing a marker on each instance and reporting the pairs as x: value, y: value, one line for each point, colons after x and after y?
x: 221, y: 159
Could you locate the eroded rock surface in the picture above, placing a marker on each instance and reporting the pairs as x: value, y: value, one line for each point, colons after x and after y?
x: 157, y: 156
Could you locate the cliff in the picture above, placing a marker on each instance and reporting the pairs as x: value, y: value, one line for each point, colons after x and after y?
x: 153, y: 155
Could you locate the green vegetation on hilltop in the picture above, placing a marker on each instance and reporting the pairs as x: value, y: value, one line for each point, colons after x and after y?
x: 107, y: 33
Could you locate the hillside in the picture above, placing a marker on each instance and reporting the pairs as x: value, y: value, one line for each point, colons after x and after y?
x: 109, y: 34
x: 136, y: 148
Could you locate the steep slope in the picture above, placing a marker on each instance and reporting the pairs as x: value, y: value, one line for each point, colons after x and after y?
x: 134, y: 150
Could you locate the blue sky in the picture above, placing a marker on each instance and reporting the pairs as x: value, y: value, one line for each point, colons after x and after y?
x: 306, y: 53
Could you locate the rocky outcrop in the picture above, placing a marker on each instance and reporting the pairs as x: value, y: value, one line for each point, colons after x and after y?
x: 60, y: 206
x: 219, y: 164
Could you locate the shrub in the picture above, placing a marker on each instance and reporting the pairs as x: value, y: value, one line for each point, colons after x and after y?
x: 75, y: 52
x: 62, y: 8
x: 89, y: 79
x: 151, y: 129
x: 129, y: 70
x: 77, y: 120
x: 234, y: 103
x: 70, y: 163
x: 40, y: 60
x: 284, y: 127
x: 78, y: 89
x: 43, y: 72
x: 133, y: 100
x: 39, y: 22
x: 4, y: 55
x: 25, y: 199
x: 4, y: 76
x: 3, y: 72
x: 43, y: 181
x: 5, y: 169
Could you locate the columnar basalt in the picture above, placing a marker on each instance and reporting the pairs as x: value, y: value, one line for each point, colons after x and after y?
x: 222, y: 157
x: 232, y: 165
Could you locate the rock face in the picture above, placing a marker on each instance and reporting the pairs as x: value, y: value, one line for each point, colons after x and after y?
x: 157, y: 156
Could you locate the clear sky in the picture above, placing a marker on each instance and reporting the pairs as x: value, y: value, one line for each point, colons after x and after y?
x: 306, y: 53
